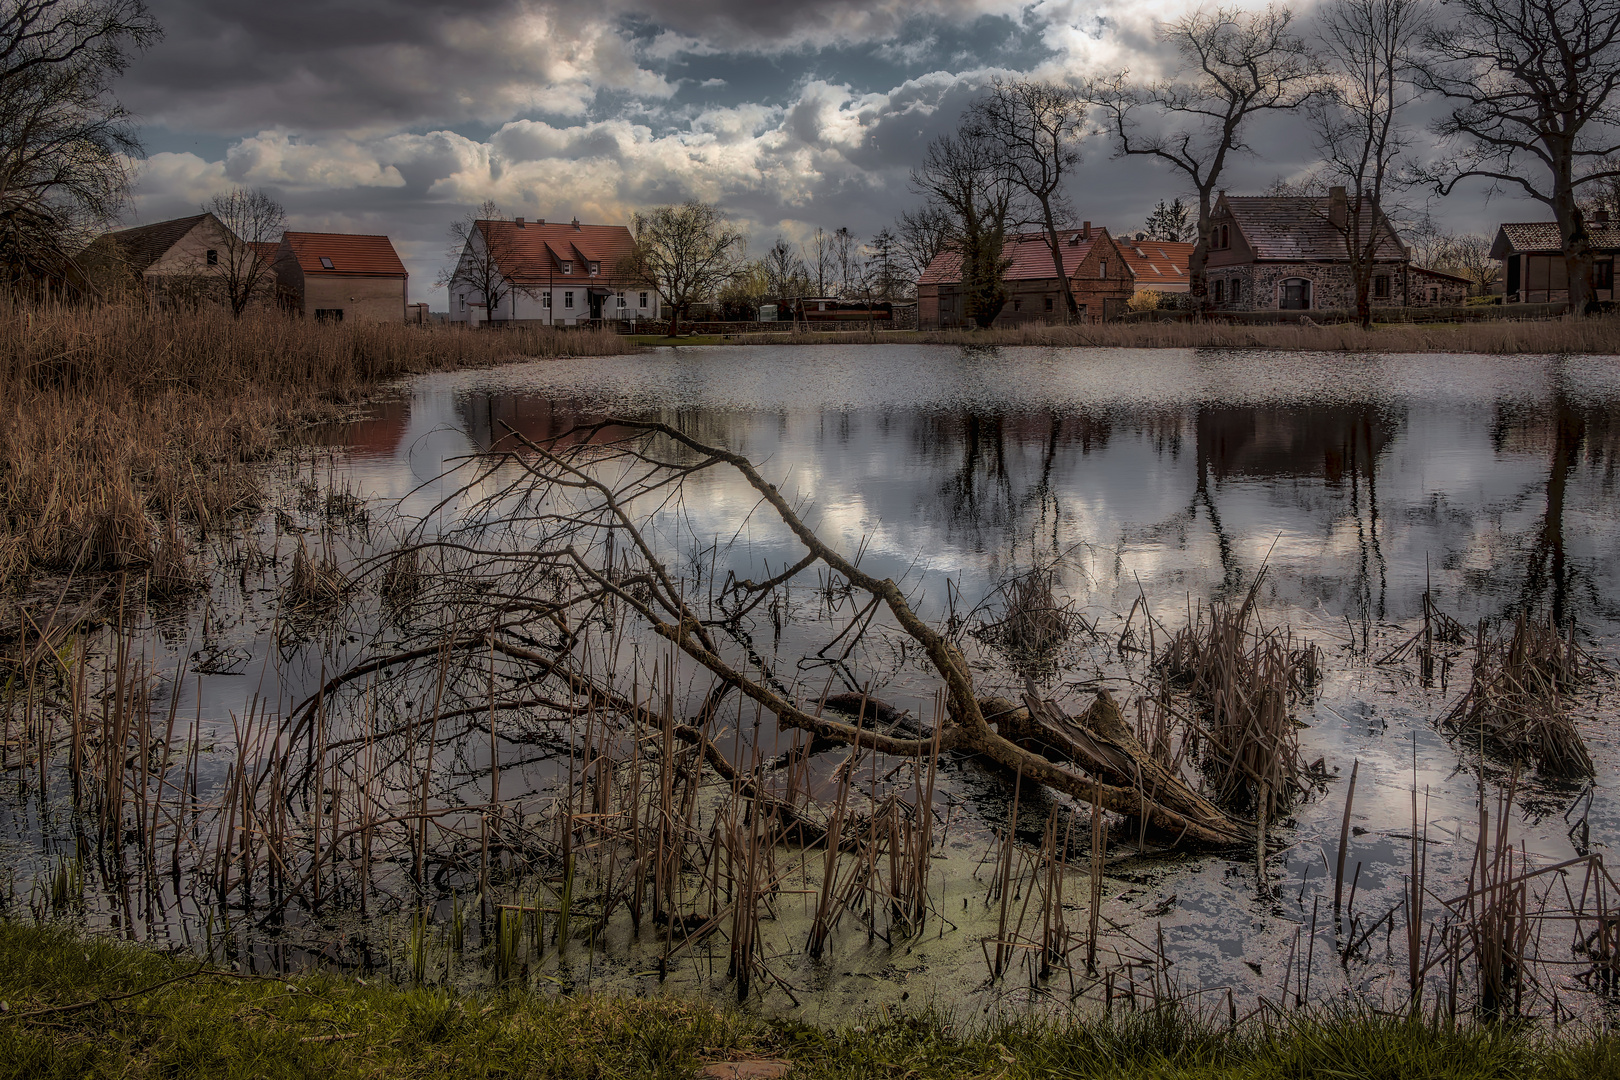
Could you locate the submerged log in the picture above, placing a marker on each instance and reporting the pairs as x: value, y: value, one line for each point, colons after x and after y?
x: 1100, y: 743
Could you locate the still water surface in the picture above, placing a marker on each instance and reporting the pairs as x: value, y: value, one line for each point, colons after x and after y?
x: 1169, y: 475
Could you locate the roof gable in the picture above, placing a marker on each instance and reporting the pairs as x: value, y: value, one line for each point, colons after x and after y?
x: 534, y: 252
x: 345, y: 254
x: 146, y: 244
x: 1292, y: 228
x: 1543, y: 238
x: 1029, y: 257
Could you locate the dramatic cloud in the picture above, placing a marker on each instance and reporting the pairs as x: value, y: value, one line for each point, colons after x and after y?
x: 396, y: 115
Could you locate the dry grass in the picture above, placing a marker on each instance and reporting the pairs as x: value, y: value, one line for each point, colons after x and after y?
x: 1599, y: 335
x: 1519, y: 698
x: 121, y: 427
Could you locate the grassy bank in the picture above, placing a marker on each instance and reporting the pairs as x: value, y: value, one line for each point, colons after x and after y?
x: 1599, y: 335
x: 124, y: 432
x: 83, y: 1007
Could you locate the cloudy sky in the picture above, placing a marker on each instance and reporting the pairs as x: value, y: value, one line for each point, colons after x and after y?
x: 397, y: 116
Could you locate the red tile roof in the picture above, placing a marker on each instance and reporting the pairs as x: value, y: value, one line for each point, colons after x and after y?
x: 1030, y: 255
x: 533, y: 253
x: 1158, y: 264
x: 1542, y: 237
x: 351, y: 254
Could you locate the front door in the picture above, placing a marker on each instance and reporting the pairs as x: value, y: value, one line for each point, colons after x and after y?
x: 1296, y: 294
x: 596, y: 304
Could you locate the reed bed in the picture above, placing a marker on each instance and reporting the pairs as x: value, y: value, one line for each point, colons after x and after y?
x: 1245, y: 679
x: 1026, y: 623
x: 1520, y: 695
x: 1598, y: 335
x: 123, y: 428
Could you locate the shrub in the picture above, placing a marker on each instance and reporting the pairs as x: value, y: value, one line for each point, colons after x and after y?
x: 1146, y: 300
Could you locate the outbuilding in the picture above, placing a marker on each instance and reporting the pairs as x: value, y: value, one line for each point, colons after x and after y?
x: 342, y: 277
x: 1533, y: 267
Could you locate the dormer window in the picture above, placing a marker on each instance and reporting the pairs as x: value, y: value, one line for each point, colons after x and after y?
x: 567, y: 267
x: 595, y: 268
x: 326, y: 263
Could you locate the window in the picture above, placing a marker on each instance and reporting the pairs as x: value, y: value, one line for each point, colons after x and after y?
x: 568, y: 299
x: 328, y: 314
x: 1104, y: 272
x: 1434, y: 293
x: 1237, y: 288
x: 643, y: 299
x: 463, y: 300
x: 568, y: 267
x: 213, y: 257
x: 545, y: 301
x: 326, y: 263
x: 595, y: 268
x: 622, y: 301
x: 1603, y: 275
x: 1381, y: 286
x: 1224, y: 237
x: 1048, y: 303
x: 1294, y: 294
x: 1220, y: 291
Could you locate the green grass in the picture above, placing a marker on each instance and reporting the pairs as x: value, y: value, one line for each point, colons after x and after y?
x: 208, y: 1024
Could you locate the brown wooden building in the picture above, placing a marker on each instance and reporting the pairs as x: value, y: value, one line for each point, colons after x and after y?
x: 1533, y: 267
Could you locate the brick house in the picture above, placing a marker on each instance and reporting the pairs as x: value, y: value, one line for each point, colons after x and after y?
x: 1532, y: 257
x: 1288, y: 253
x: 341, y: 277
x: 558, y: 274
x: 1097, y: 268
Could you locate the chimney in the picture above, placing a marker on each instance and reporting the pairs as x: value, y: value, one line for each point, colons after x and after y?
x: 576, y: 223
x: 540, y: 221
x: 1085, y: 230
x: 1338, y: 207
x: 518, y: 222
x: 1601, y: 218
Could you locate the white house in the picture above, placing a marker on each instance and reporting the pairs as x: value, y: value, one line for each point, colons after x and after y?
x: 553, y: 274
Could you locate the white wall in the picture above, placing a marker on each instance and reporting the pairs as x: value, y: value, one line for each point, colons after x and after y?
x: 531, y: 305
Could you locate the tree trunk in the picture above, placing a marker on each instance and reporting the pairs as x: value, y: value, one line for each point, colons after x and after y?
x: 1198, y: 260
x: 1070, y: 306
x: 1364, y: 298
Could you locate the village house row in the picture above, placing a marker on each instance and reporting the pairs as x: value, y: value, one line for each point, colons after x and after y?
x: 1267, y: 254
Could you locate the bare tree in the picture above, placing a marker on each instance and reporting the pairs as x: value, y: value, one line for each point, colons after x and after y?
x: 846, y: 259
x: 818, y: 259
x: 1034, y: 127
x: 785, y: 275
x: 253, y: 222
x: 1469, y: 256
x: 963, y: 175
x: 65, y: 142
x: 920, y: 236
x: 1234, y: 65
x: 687, y: 252
x: 1370, y: 47
x: 479, y: 259
x: 1532, y: 84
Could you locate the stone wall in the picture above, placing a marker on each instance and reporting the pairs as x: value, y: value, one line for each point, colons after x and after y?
x: 1260, y: 285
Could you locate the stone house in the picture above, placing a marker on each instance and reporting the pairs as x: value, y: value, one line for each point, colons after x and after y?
x: 1435, y: 288
x: 1095, y: 264
x: 1288, y: 253
x: 556, y: 274
x: 338, y: 277
x: 175, y: 263
x: 1532, y: 257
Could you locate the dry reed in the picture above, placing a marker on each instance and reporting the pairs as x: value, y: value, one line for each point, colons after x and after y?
x: 1518, y: 698
x: 119, y: 425
x: 1597, y: 335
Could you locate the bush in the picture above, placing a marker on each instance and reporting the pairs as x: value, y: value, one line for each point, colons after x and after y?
x: 1482, y: 301
x: 1146, y: 300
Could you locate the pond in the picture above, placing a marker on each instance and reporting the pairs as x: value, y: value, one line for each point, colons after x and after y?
x: 1339, y: 491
